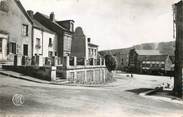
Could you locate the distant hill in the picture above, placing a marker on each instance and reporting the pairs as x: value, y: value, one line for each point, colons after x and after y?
x: 167, y: 48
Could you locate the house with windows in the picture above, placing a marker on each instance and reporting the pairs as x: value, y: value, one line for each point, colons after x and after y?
x: 63, y: 29
x: 82, y: 46
x: 149, y: 61
x: 44, y: 43
x: 15, y: 33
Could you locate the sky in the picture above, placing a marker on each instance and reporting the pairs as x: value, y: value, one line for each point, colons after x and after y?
x: 114, y: 24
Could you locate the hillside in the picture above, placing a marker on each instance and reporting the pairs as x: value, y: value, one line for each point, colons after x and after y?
x: 164, y: 47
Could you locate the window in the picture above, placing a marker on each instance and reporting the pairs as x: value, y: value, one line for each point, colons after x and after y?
x: 89, y: 51
x: 50, y: 54
x: 25, y: 29
x: 4, y: 5
x: 12, y: 48
x: 25, y: 50
x: 50, y: 42
x: 67, y: 42
x: 122, y: 61
x: 95, y: 52
x: 38, y: 43
x: 1, y: 45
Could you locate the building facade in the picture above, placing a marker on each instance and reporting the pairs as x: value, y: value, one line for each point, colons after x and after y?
x: 63, y: 29
x: 82, y: 46
x: 44, y: 43
x: 149, y: 61
x: 15, y: 33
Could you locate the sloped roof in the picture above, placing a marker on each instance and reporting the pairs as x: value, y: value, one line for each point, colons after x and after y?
x: 148, y: 52
x: 38, y: 25
x: 19, y: 4
x: 172, y: 58
x: 93, y: 45
x: 54, y: 22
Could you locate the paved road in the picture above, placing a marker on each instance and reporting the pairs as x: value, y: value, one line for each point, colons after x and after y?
x: 119, y: 99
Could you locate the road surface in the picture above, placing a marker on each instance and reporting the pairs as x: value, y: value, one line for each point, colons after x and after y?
x: 117, y: 99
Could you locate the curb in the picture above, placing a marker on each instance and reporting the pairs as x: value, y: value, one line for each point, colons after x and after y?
x: 66, y: 83
x: 22, y: 78
x: 166, y: 99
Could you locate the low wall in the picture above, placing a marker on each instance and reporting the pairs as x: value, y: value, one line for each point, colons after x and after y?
x: 44, y: 73
x: 85, y: 74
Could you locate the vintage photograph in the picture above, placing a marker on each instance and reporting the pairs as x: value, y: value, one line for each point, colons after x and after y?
x: 91, y: 58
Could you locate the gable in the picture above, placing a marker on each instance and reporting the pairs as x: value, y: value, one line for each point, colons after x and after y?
x: 22, y: 9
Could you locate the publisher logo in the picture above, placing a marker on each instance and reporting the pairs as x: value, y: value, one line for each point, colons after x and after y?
x: 18, y: 100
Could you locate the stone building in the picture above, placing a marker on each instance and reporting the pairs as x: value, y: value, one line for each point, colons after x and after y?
x: 63, y: 29
x: 149, y: 61
x: 15, y: 33
x: 44, y: 43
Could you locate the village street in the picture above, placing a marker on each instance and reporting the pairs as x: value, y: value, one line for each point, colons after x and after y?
x: 117, y: 99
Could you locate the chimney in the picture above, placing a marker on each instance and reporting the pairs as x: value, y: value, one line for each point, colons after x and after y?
x: 30, y: 13
x: 89, y: 40
x: 52, y: 16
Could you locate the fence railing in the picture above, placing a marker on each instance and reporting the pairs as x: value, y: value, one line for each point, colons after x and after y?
x: 74, y: 61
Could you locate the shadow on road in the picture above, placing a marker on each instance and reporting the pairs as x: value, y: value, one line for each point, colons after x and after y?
x: 138, y: 91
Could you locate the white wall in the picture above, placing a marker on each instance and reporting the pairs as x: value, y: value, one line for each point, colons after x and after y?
x: 44, y: 42
x: 37, y: 34
x: 46, y: 47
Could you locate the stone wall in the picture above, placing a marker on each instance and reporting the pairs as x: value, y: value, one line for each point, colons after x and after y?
x: 87, y: 75
x: 43, y: 73
x: 83, y: 74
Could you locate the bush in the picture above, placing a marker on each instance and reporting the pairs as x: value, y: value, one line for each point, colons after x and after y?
x: 110, y: 62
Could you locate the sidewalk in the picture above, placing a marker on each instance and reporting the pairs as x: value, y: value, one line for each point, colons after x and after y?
x: 165, y: 98
x: 32, y: 79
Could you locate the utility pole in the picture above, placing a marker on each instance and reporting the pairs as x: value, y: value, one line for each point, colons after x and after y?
x: 178, y: 35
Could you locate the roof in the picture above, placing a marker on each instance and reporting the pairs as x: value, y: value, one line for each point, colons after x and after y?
x: 148, y: 52
x: 65, y: 21
x: 156, y: 58
x: 38, y: 25
x: 54, y: 22
x: 19, y: 4
x: 180, y: 2
x: 93, y: 45
x: 172, y: 58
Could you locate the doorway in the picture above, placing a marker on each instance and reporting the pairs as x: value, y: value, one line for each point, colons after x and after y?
x: 25, y: 50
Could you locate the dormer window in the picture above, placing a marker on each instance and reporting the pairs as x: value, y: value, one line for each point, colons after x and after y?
x: 4, y: 5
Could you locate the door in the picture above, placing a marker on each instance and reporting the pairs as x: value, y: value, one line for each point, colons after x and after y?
x: 25, y: 50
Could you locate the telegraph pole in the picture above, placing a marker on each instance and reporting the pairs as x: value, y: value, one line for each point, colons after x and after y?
x: 178, y: 35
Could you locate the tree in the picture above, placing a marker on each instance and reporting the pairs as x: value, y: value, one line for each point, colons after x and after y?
x: 110, y: 62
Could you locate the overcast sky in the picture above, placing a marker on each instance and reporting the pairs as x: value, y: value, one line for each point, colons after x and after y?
x: 114, y: 23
